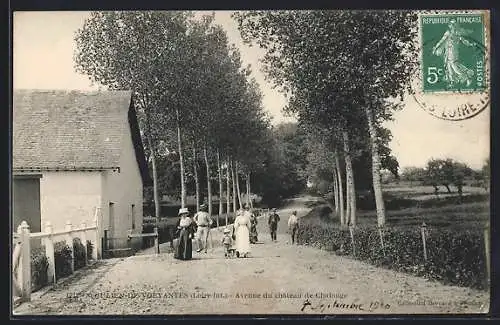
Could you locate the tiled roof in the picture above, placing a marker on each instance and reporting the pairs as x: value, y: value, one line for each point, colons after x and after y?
x: 68, y: 129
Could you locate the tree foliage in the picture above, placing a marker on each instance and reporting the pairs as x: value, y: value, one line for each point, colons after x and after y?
x: 447, y: 172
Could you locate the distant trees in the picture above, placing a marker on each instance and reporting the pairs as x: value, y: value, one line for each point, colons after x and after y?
x: 414, y: 175
x: 447, y: 172
x: 486, y: 174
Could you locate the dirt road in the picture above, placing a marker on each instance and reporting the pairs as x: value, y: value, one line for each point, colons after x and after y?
x: 279, y: 278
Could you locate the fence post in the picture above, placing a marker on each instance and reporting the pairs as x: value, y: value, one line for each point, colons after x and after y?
x: 104, y: 244
x: 95, y: 253
x: 83, y: 238
x: 157, y: 241
x: 69, y: 242
x: 351, y: 231
x: 487, y: 247
x: 49, y: 252
x: 25, y: 264
x: 99, y: 233
x: 380, y: 232
x: 16, y: 264
x: 423, y: 231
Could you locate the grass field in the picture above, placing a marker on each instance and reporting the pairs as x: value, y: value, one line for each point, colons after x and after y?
x: 408, y: 206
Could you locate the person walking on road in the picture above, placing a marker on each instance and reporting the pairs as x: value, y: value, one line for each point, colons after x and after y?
x: 185, y: 232
x: 241, y: 232
x: 273, y: 220
x: 293, y: 225
x: 253, y: 224
x: 203, y: 222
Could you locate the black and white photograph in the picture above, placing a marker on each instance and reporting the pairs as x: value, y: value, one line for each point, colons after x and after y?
x: 253, y: 162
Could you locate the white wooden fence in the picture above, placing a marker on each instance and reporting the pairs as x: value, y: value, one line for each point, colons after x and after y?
x: 21, y: 264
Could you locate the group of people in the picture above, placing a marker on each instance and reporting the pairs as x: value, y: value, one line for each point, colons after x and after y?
x: 236, y: 242
x: 187, y: 228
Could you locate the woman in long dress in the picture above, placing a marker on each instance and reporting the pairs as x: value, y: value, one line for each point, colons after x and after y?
x: 253, y: 224
x: 185, y: 229
x: 242, y: 233
x: 448, y: 48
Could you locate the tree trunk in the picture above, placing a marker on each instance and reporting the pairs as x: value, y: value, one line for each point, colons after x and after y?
x: 336, y: 192
x: 234, y: 186
x: 156, y: 195
x: 247, y: 183
x: 240, y: 202
x: 181, y: 160
x: 341, y: 189
x: 196, y: 180
x: 228, y: 191
x: 249, y: 191
x: 220, y: 186
x: 209, y: 183
x: 347, y: 217
x: 377, y: 184
x: 350, y: 181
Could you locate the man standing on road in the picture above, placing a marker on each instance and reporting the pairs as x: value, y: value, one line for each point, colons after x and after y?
x: 203, y: 221
x: 274, y: 218
x: 293, y: 225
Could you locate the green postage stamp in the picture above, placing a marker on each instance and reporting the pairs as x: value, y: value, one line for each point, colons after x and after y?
x: 453, y: 52
x: 453, y: 82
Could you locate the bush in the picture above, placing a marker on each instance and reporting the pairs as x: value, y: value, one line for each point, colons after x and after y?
x: 62, y: 259
x: 39, y: 268
x: 79, y: 253
x: 90, y: 249
x: 454, y: 256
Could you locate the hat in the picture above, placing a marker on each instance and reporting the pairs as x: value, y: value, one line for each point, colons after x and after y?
x: 183, y: 211
x: 226, y: 231
x: 204, y: 206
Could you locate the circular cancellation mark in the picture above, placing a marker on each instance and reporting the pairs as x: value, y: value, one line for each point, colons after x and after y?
x: 453, y: 78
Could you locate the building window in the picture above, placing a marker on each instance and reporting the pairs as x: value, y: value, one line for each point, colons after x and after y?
x: 133, y: 216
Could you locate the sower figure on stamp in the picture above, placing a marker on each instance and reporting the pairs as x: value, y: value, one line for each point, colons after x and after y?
x: 273, y: 220
x: 293, y: 225
x: 204, y: 222
x: 448, y: 47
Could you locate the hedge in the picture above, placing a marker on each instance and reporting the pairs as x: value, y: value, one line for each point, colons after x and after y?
x: 78, y: 253
x: 39, y: 268
x: 90, y: 249
x: 453, y: 256
x: 62, y: 259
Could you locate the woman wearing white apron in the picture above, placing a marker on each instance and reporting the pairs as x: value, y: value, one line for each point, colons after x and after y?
x: 242, y: 233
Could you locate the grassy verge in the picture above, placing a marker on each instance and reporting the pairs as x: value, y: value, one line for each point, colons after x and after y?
x: 454, y: 242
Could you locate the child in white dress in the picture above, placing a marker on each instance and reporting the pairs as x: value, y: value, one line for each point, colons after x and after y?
x: 227, y: 241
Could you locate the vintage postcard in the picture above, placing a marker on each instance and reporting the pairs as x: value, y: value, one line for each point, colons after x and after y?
x: 312, y: 162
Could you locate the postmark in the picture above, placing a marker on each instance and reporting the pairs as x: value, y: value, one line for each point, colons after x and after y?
x: 453, y: 78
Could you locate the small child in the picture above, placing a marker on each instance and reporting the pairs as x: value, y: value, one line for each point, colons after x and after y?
x: 227, y: 241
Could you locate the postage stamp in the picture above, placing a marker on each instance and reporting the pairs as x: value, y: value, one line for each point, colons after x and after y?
x: 453, y: 52
x: 453, y: 82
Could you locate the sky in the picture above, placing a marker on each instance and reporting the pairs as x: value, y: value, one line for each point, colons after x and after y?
x: 43, y: 46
